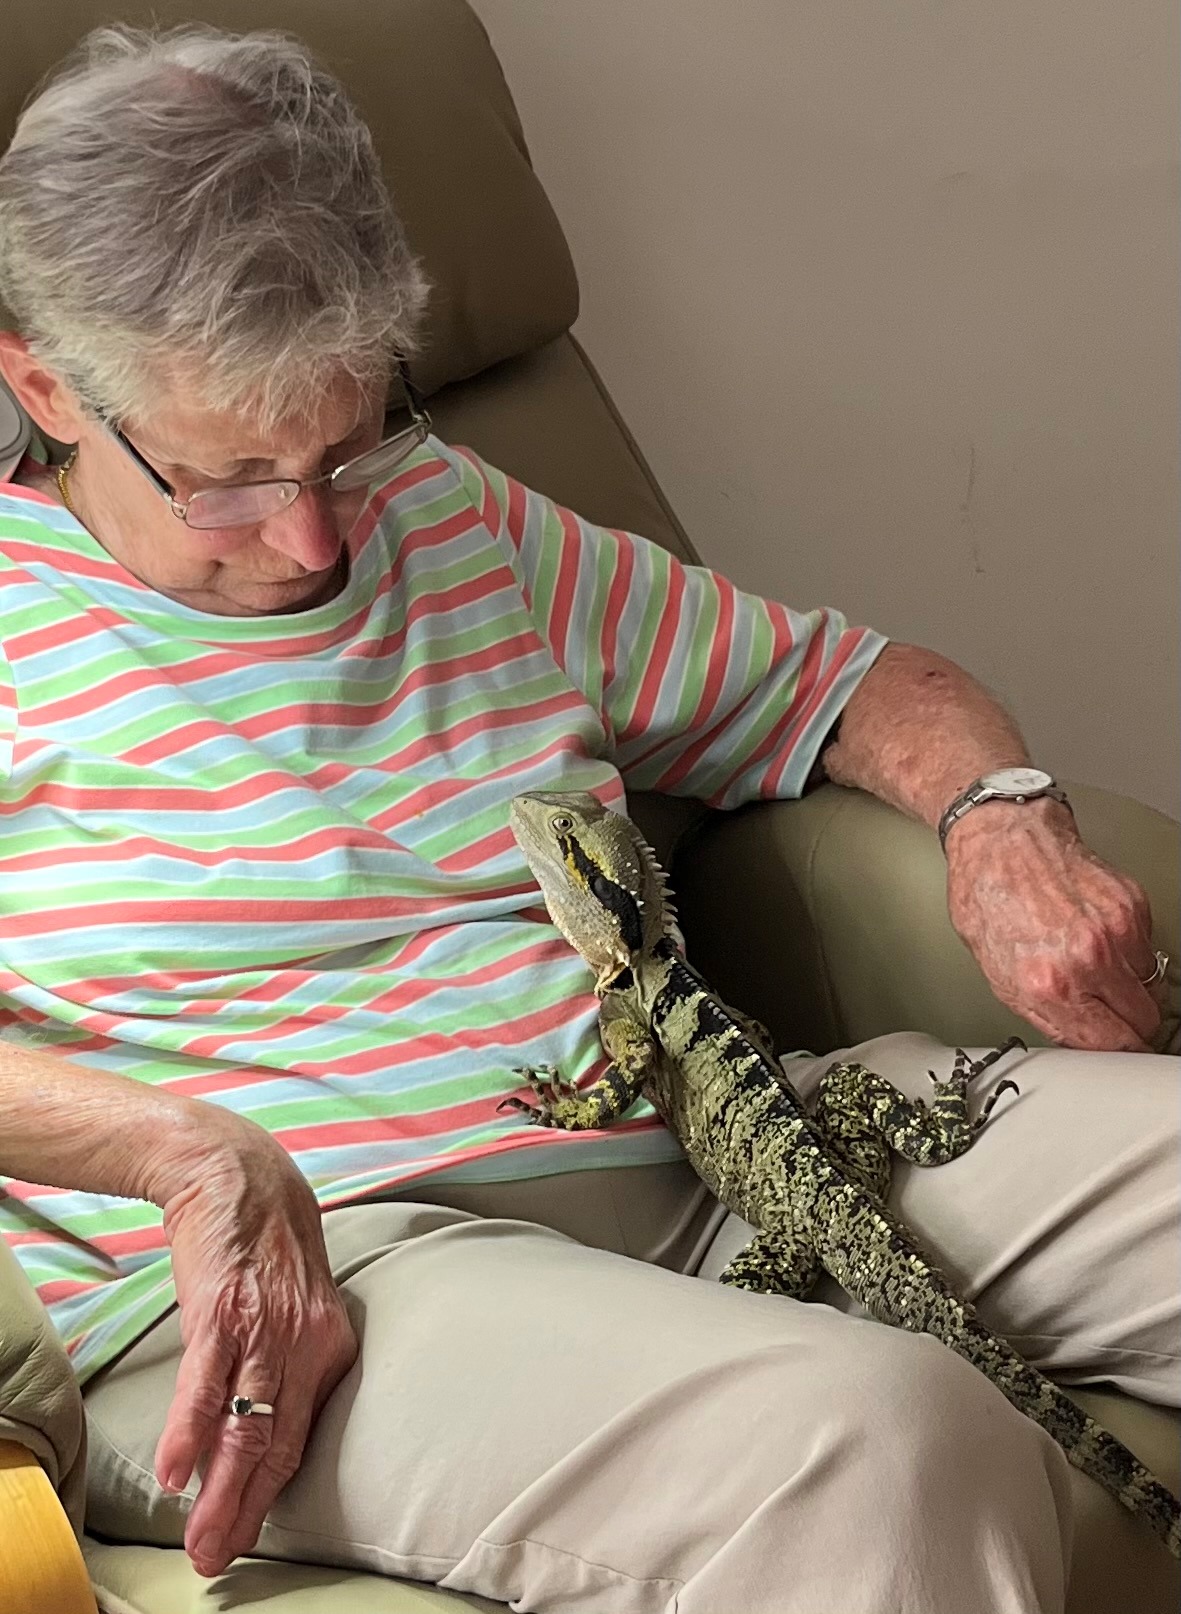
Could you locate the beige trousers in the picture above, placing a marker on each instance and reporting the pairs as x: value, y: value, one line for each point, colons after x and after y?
x: 553, y: 1424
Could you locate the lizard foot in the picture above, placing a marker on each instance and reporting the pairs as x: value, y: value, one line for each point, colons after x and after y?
x: 966, y: 1070
x: 547, y: 1082
x: 538, y: 1116
x: 557, y: 1097
x: 970, y: 1069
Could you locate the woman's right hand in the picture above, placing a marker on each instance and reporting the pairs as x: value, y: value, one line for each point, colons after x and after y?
x: 260, y: 1316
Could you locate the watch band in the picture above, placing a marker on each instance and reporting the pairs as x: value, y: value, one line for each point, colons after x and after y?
x: 978, y: 793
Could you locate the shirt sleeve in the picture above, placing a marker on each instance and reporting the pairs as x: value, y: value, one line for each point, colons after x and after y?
x: 703, y: 690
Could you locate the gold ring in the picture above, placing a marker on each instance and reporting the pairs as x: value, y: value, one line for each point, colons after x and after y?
x: 1158, y: 974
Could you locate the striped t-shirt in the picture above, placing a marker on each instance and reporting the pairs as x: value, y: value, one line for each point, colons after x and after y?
x: 265, y: 861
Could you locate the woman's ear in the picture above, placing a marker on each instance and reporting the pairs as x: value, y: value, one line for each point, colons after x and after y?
x: 40, y: 391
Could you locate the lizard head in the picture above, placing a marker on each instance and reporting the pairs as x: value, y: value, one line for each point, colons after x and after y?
x: 600, y: 879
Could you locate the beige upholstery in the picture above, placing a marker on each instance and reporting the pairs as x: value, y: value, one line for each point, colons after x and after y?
x: 39, y: 1403
x: 831, y: 908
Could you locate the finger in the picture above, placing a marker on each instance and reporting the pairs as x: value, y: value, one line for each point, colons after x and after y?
x: 326, y: 1362
x: 1121, y: 963
x: 293, y: 1420
x: 1085, y: 1023
x: 1129, y: 996
x: 194, y: 1416
x: 241, y: 1444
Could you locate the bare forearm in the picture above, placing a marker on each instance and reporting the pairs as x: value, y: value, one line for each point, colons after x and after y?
x: 67, y: 1126
x: 918, y: 730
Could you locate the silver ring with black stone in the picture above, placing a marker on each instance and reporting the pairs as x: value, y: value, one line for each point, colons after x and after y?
x: 241, y: 1406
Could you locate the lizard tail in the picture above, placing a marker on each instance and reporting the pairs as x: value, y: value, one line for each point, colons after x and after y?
x: 898, y: 1283
x: 1086, y: 1443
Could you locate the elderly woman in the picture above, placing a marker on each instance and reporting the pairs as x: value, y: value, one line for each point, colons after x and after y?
x: 269, y: 956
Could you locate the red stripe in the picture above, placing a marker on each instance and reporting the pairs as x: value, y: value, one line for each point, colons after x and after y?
x: 719, y: 654
x: 274, y: 986
x: 439, y: 791
x: 657, y: 667
x: 144, y: 798
x: 43, y: 552
x: 565, y: 586
x: 241, y: 911
x: 146, y: 678
x: 505, y: 1033
x: 481, y: 723
x: 617, y: 596
x: 399, y: 998
x: 525, y: 1137
x: 65, y: 1289
x: 490, y: 513
x: 691, y: 756
x: 16, y: 490
x: 260, y: 786
x: 130, y: 1241
x: 776, y: 740
x: 343, y: 838
x: 847, y: 647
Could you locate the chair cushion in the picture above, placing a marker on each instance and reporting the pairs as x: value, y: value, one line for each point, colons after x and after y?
x: 425, y: 77
x: 160, y: 1580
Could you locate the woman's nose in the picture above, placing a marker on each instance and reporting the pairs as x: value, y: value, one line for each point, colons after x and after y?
x: 308, y: 531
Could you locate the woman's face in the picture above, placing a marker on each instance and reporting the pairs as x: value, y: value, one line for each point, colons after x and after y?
x: 289, y: 562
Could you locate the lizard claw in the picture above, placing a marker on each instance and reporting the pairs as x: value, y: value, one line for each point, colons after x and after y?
x: 1005, y: 1086
x: 537, y: 1116
x: 972, y: 1070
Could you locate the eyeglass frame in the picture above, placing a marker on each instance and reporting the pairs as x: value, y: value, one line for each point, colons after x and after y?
x: 420, y: 425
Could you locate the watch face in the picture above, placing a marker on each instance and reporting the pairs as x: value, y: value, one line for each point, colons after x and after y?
x: 1017, y: 781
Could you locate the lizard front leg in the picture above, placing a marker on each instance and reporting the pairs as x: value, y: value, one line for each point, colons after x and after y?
x: 561, y: 1104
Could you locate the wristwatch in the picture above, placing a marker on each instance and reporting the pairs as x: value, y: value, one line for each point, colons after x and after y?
x: 1005, y: 784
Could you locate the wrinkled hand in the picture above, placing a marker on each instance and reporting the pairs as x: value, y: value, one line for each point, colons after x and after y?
x: 1063, y: 939
x: 260, y: 1316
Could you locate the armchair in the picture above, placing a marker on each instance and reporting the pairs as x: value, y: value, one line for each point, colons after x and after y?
x: 842, y: 898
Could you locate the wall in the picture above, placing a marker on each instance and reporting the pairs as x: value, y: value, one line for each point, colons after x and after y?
x: 888, y: 295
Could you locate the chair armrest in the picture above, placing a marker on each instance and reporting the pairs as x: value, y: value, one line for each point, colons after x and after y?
x: 827, y: 917
x: 40, y: 1403
x: 41, y: 1566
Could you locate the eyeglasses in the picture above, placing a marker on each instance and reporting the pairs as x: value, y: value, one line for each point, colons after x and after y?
x: 247, y: 503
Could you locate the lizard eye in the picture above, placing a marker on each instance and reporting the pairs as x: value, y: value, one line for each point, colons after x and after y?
x: 561, y: 823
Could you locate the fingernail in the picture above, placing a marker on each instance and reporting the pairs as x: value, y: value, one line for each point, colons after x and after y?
x: 176, y: 1481
x: 210, y: 1547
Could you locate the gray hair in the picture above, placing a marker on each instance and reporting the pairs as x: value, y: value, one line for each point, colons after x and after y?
x: 206, y: 204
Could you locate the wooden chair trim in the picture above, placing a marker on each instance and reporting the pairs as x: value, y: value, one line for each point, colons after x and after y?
x: 41, y: 1565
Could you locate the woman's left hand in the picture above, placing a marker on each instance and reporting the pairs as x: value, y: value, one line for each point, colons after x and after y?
x: 1064, y: 940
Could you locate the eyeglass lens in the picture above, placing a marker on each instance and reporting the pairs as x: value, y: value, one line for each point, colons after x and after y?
x: 246, y: 504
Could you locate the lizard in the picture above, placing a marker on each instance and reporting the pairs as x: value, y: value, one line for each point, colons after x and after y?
x: 812, y: 1184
